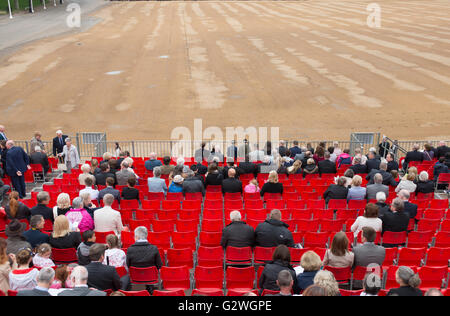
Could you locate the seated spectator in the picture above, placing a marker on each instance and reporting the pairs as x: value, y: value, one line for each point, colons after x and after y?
x: 296, y: 168
x: 106, y: 219
x: 272, y: 185
x: 62, y: 205
x: 34, y: 236
x: 130, y: 192
x: 177, y: 184
x: 391, y: 163
x: 94, y: 167
x: 125, y: 173
x: 43, y: 199
x: 381, y: 203
x: 237, y: 233
x: 319, y: 154
x: 109, y: 190
x: 267, y: 165
x: 156, y: 184
x: 89, y: 183
x: 369, y: 219
x: 396, y: 220
x: 152, y: 162
x: 88, y: 205
x: 42, y: 257
x: 326, y: 279
x: 100, y: 276
x: 348, y: 175
x: 247, y: 167
x: 86, y: 174
x: 326, y: 166
x: 192, y: 185
x: 428, y: 153
x: 441, y: 150
x: 344, y: 158
x: 24, y: 277
x: 414, y: 155
x: 336, y: 191
x: 113, y: 166
x: 62, y: 281
x: 3, y: 190
x: 44, y: 279
x: 16, y: 240
x: 285, y: 282
x: 433, y: 292
x: 409, y: 283
x: 356, y: 192
x: 230, y: 165
x: 315, y: 290
x: 371, y: 285
x: 281, y: 260
x: 372, y: 162
x: 83, y: 248
x: 252, y: 187
x: 114, y: 256
x: 79, y: 278
x: 273, y: 232
x: 294, y: 150
x: 231, y: 184
x: 359, y: 154
x: 282, y: 150
x: 105, y: 172
x: 311, y: 264
x: 7, y: 264
x: 40, y: 158
x: 338, y: 255
x: 79, y: 219
x: 62, y: 237
x: 166, y: 167
x: 407, y: 184
x: 358, y: 167
x: 388, y: 179
x: 378, y: 186
x: 409, y: 208
x: 213, y: 177
x: 440, y: 167
x: 310, y: 168
x: 142, y: 254
x: 424, y: 185
x: 16, y: 209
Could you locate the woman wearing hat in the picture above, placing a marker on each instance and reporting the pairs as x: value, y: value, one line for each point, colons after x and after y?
x: 15, y: 240
x: 177, y: 184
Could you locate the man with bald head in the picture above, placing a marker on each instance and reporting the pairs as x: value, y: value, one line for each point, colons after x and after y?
x: 231, y: 184
x: 17, y: 163
x: 273, y: 232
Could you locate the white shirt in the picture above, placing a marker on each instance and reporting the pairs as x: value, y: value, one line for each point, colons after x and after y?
x: 91, y: 191
x: 362, y: 221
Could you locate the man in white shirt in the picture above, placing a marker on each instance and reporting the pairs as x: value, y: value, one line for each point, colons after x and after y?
x: 88, y: 189
x: 106, y: 219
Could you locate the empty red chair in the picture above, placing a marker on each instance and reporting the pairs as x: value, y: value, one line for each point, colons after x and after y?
x: 175, y: 278
x: 147, y: 276
x: 170, y: 205
x: 212, y: 225
x: 302, y: 214
x: 207, y: 292
x: 129, y: 204
x: 438, y: 256
x: 180, y: 257
x: 144, y: 215
x: 213, y: 204
x: 323, y: 214
x: 304, y: 225
x: 233, y: 204
x: 391, y: 256
x: 262, y: 255
x: 411, y: 256
x: 64, y: 256
x: 158, y: 196
x: 186, y: 239
x: 347, y: 214
x: 135, y: 293
x: 394, y: 238
x: 12, y: 293
x: 192, y: 204
x: 296, y: 204
x: 210, y: 256
x: 186, y: 225
x: 210, y: 239
x: 168, y: 215
x: 442, y: 239
x: 240, y: 278
x: 432, y: 277
x: 171, y: 196
x: 337, y: 204
x: 316, y: 204
x: 209, y: 277
x: 275, y: 204
x: 100, y: 237
x: 169, y: 293
x: 160, y: 239
x: 212, y: 214
x: 151, y: 204
x: 342, y: 275
x: 357, y: 204
x: 254, y: 204
x: 433, y: 214
x: 163, y: 225
x: 272, y: 196
x: 319, y: 240
x: 439, y: 204
x: 194, y: 196
x: 135, y: 223
x: 238, y: 255
x: 327, y: 225
x: 189, y: 215
x: 428, y: 225
x: 419, y: 239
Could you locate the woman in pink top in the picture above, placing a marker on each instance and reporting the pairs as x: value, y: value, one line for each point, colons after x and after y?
x: 252, y: 187
x: 79, y: 218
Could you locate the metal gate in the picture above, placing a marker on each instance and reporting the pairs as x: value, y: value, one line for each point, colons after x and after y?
x: 363, y: 141
x: 91, y: 144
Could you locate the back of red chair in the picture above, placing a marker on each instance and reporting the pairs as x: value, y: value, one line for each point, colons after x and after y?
x: 64, y: 256
x: 144, y: 275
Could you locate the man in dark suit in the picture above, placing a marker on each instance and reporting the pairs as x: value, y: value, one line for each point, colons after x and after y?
x: 295, y: 150
x: 441, y: 150
x: 372, y: 162
x: 397, y: 220
x: 237, y: 233
x: 38, y: 157
x: 392, y: 164
x: 43, y: 199
x: 109, y: 190
x: 44, y: 281
x: 2, y: 133
x: 336, y: 191
x: 58, y: 143
x: 247, y: 167
x: 231, y: 184
x: 326, y: 166
x: 414, y: 155
x: 357, y: 167
x: 410, y: 208
x: 282, y: 150
x: 79, y: 278
x: 17, y: 163
x: 388, y: 179
x: 100, y: 178
x: 101, y: 277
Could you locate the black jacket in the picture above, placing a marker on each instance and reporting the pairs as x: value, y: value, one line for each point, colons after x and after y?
x: 40, y: 158
x: 33, y: 292
x: 372, y: 164
x: 405, y: 291
x: 335, y: 192
x: 425, y: 187
x: 388, y: 179
x: 43, y: 210
x: 272, y: 233
x: 270, y: 187
x: 143, y: 255
x: 35, y: 237
x: 414, y: 155
x: 58, y: 146
x: 193, y: 185
x: 392, y: 165
x: 269, y: 276
x: 100, y: 178
x: 359, y: 169
x: 231, y: 185
x: 326, y: 166
x: 411, y: 209
x: 395, y: 222
x: 103, y: 277
x: 247, y: 167
x: 214, y: 179
x: 238, y: 234
x: 382, y: 208
x: 441, y: 151
x: 22, y: 213
x: 71, y: 240
x: 130, y: 194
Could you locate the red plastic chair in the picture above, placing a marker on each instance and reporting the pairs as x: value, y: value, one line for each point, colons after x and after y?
x: 440, y: 204
x: 135, y: 293
x: 210, y: 256
x: 213, y: 214
x: 240, y: 278
x: 419, y: 239
x: 169, y: 293
x: 170, y: 205
x: 238, y: 255
x: 304, y: 225
x: 209, y: 277
x: 100, y: 237
x: 296, y: 254
x: 411, y: 256
x: 275, y: 204
x: 391, y: 256
x: 394, y: 238
x: 180, y: 257
x: 163, y: 225
x: 12, y: 293
x: 342, y: 275
x: 432, y: 277
x: 171, y: 196
x: 319, y: 240
x: 337, y: 204
x: 160, y: 239
x: 185, y: 240
x: 262, y: 255
x: 158, y: 196
x: 192, y: 204
x: 212, y: 225
x: 129, y: 204
x: 428, y: 225
x: 210, y: 239
x: 147, y: 276
x: 438, y: 256
x: 350, y: 293
x: 175, y: 278
x: 64, y: 256
x: 442, y: 239
x: 207, y: 292
x: 327, y: 225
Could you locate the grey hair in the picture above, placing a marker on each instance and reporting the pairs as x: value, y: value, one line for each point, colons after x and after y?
x: 381, y: 197
x: 68, y: 140
x: 398, y: 204
x: 190, y: 173
x: 42, y: 196
x: 157, y: 172
x: 77, y: 203
x: 108, y: 199
x: 404, y: 194
x: 284, y: 278
x: 378, y: 178
x: 235, y: 216
x: 407, y: 275
x: 86, y: 168
x: 423, y: 176
x: 80, y: 274
x: 275, y: 214
x: 383, y: 165
x: 140, y: 233
x: 46, y: 275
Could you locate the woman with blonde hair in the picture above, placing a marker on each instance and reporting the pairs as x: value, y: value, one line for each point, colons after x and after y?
x: 326, y: 279
x: 296, y: 168
x: 311, y: 167
x: 86, y: 174
x: 272, y: 185
x: 16, y: 209
x: 94, y: 167
x: 62, y: 237
x: 338, y: 256
x: 407, y: 184
x: 252, y: 187
x: 311, y: 264
x: 356, y: 192
x: 62, y: 205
